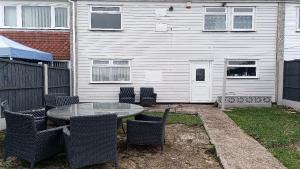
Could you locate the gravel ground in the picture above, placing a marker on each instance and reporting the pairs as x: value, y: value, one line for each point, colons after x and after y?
x: 186, y: 148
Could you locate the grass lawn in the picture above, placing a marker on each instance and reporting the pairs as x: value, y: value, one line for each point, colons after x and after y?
x: 60, y: 161
x: 275, y: 128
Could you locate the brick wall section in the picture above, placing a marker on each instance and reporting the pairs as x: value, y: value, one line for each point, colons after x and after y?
x: 57, y: 43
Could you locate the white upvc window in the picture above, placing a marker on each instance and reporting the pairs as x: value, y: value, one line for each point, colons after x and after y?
x: 215, y: 19
x: 298, y: 19
x: 243, y: 18
x: 111, y: 71
x: 105, y: 18
x: 34, y: 16
x: 242, y: 69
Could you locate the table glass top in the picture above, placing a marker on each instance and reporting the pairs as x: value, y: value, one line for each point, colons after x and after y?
x: 88, y: 109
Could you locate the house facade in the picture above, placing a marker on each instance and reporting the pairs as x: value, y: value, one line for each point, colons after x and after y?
x: 44, y: 25
x: 180, y: 48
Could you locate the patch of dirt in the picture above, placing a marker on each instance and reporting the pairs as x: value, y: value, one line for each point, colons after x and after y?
x: 185, y: 148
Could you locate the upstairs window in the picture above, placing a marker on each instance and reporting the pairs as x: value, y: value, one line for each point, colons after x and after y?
x: 243, y: 19
x: 10, y: 16
x: 105, y: 18
x: 61, y: 17
x: 110, y: 71
x: 35, y: 17
x: 215, y: 19
x: 242, y: 69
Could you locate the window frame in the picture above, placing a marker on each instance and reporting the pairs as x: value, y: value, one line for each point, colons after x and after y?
x: 110, y: 65
x: 215, y: 13
x: 105, y: 12
x: 20, y: 17
x: 253, y: 14
x: 298, y: 19
x: 243, y: 77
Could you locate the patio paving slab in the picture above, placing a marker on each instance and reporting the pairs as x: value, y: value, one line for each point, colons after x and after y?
x: 235, y: 149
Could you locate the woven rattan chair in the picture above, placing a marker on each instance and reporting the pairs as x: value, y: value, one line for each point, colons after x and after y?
x: 24, y: 141
x: 91, y: 140
x: 147, y: 96
x: 126, y: 95
x: 50, y: 100
x: 40, y: 117
x: 147, y: 130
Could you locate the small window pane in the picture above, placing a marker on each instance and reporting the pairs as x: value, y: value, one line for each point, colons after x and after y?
x: 215, y: 22
x: 241, y: 62
x: 200, y: 75
x: 299, y: 18
x: 241, y: 71
x: 61, y: 17
x: 243, y: 10
x: 120, y: 62
x: 243, y: 22
x: 106, y: 21
x: 105, y: 8
x: 100, y: 62
x: 36, y: 16
x: 215, y: 10
x: 10, y: 16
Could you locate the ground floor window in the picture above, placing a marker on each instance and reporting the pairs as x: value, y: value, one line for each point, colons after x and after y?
x: 242, y: 69
x: 110, y: 71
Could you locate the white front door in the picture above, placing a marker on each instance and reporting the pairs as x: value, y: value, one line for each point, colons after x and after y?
x: 201, y: 81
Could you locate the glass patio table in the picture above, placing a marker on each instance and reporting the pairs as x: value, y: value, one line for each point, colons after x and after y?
x: 89, y: 109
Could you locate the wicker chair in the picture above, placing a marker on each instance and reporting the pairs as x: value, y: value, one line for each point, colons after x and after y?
x: 147, y: 130
x: 40, y: 117
x: 126, y: 95
x: 24, y: 141
x: 91, y: 140
x: 147, y: 96
x: 50, y: 100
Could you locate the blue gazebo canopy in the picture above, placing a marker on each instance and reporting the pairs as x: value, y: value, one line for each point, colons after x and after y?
x: 12, y: 49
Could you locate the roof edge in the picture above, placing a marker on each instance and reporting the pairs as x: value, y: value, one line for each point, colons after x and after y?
x: 200, y: 1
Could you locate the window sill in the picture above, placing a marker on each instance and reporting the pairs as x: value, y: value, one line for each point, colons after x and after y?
x: 241, y: 77
x: 243, y: 31
x: 215, y: 31
x: 112, y: 82
x: 45, y: 29
x: 112, y: 30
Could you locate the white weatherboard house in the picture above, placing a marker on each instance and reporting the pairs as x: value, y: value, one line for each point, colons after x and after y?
x: 177, y: 47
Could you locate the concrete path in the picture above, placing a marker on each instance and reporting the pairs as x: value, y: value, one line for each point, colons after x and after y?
x: 235, y: 149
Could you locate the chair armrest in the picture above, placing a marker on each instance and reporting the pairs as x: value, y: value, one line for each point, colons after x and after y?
x: 66, y: 131
x: 36, y: 113
x: 50, y: 134
x: 147, y: 118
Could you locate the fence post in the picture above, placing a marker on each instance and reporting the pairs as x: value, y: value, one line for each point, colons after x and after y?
x: 45, y: 79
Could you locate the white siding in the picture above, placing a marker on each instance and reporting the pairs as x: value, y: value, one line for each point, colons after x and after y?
x: 292, y: 36
x: 171, y: 52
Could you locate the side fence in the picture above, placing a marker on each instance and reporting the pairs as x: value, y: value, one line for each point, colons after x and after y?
x: 24, y: 84
x: 291, y: 82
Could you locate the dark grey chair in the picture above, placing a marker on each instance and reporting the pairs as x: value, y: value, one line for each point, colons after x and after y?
x: 50, y: 100
x: 40, y: 117
x: 147, y: 96
x: 147, y: 130
x: 24, y: 141
x: 126, y: 95
x: 91, y: 140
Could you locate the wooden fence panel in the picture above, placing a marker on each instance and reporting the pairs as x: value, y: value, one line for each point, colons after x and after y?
x: 59, y: 80
x: 291, y: 86
x: 22, y: 84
